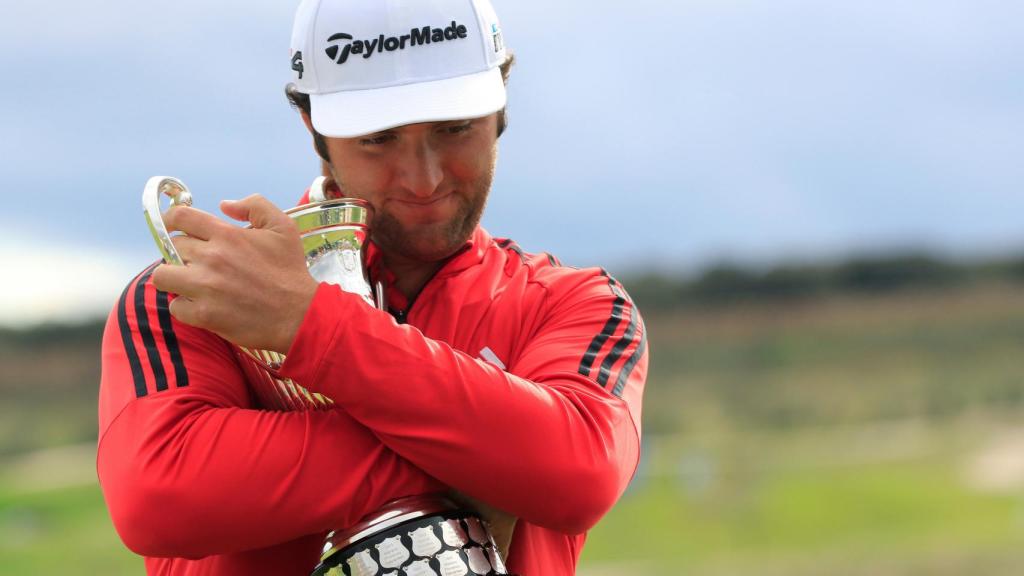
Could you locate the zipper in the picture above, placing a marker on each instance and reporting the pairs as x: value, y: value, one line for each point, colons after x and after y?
x: 402, y: 316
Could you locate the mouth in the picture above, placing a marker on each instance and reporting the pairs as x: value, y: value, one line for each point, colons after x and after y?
x: 425, y: 210
x: 424, y: 202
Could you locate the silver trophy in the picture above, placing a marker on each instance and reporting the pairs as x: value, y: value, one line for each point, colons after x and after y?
x: 426, y: 535
x: 334, y: 234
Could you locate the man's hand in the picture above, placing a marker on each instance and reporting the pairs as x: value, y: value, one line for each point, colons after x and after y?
x: 501, y: 524
x: 248, y: 285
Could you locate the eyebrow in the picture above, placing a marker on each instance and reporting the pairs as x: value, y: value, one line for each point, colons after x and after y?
x: 376, y: 134
x: 390, y: 131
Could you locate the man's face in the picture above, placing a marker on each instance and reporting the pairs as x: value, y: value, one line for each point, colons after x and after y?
x: 428, y: 183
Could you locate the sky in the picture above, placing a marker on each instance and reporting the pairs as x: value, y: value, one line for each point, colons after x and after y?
x: 650, y: 135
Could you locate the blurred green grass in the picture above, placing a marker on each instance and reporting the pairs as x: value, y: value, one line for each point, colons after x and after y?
x: 60, y: 531
x: 833, y: 501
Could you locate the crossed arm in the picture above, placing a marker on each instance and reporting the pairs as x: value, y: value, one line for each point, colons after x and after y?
x: 192, y: 471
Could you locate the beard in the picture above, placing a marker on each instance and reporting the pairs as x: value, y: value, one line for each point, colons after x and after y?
x: 434, y: 241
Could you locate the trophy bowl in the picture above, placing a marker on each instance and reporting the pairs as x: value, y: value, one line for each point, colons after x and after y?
x: 426, y: 535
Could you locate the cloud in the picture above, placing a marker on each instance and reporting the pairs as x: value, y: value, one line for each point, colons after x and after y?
x: 58, y: 283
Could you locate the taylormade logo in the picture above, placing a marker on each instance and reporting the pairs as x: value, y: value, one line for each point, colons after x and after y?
x: 339, y: 53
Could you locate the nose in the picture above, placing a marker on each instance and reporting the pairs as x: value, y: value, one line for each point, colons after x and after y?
x: 420, y: 171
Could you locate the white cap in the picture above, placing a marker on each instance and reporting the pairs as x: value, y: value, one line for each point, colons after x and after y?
x: 370, y: 65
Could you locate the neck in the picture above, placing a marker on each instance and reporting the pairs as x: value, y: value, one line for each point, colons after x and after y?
x: 410, y: 275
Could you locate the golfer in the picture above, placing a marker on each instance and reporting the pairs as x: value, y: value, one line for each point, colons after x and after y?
x: 495, y: 373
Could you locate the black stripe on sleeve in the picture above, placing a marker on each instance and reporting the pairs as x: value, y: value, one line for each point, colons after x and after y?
x: 627, y: 368
x: 138, y: 378
x: 606, y: 332
x: 616, y: 352
x: 163, y: 311
x: 510, y: 245
x: 142, y: 318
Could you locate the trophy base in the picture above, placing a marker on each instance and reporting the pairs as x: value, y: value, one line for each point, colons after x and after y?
x: 416, y: 536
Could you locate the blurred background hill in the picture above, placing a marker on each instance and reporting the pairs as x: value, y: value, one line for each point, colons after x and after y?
x: 861, y: 417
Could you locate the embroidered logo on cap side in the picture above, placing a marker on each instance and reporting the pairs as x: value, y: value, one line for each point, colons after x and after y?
x: 499, y: 42
x: 339, y: 53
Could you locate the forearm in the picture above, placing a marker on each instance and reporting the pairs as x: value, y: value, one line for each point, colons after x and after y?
x: 563, y: 448
x: 187, y: 479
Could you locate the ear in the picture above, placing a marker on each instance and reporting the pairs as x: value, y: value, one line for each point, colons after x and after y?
x: 319, y: 145
x: 331, y: 187
x: 307, y: 121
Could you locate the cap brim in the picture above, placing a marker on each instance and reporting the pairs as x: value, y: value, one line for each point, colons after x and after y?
x: 358, y: 112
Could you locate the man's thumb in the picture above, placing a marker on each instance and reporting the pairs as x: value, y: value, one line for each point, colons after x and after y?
x: 256, y: 210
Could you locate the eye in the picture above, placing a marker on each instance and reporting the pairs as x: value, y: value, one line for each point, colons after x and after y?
x: 458, y: 128
x: 376, y: 139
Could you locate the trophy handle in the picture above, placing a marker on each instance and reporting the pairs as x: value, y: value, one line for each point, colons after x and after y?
x: 316, y: 190
x: 180, y: 196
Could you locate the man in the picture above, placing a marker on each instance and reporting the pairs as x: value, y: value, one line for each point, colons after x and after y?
x: 498, y: 374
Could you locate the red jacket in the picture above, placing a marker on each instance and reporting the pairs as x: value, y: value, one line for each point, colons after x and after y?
x: 513, y: 379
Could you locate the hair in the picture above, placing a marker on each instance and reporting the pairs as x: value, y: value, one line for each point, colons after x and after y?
x: 300, y: 101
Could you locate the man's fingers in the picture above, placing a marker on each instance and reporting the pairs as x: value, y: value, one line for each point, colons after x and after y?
x: 174, y: 280
x: 256, y: 210
x: 191, y: 306
x: 185, y: 310
x: 192, y: 221
x: 188, y: 248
